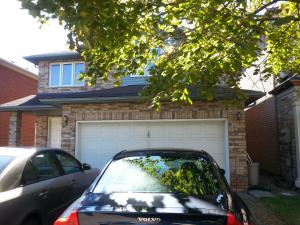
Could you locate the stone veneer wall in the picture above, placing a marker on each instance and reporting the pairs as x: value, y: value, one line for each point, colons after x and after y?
x: 14, y: 132
x: 43, y: 82
x: 134, y: 111
x: 286, y: 135
x: 41, y: 127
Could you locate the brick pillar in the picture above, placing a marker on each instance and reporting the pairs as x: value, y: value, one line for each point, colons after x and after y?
x: 41, y: 131
x: 14, y: 132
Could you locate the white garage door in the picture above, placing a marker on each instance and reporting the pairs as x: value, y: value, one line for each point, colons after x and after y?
x: 97, y: 142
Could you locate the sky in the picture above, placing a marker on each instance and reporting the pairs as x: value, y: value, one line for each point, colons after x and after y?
x: 21, y: 35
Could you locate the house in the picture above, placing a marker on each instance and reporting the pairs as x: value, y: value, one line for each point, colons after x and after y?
x: 94, y: 123
x: 273, y: 126
x: 15, y: 83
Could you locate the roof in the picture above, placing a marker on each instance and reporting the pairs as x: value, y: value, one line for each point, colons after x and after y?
x: 28, y: 103
x: 50, y: 101
x: 63, y: 55
x: 14, y: 67
x: 292, y: 81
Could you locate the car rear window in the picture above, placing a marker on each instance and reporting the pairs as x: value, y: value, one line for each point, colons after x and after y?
x: 5, y: 161
x: 189, y: 175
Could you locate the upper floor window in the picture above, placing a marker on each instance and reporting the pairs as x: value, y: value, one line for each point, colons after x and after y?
x: 66, y: 74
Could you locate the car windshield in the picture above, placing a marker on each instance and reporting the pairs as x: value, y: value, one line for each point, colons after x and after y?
x: 4, y: 161
x: 188, y: 175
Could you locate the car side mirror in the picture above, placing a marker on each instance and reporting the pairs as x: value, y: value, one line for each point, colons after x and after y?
x: 86, y: 166
x: 222, y: 171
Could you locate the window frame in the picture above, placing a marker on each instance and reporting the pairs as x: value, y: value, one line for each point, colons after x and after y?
x: 53, y: 159
x: 55, y: 153
x: 23, y: 182
x: 61, y: 65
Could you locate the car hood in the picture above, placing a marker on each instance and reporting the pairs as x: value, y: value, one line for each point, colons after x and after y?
x: 153, y: 203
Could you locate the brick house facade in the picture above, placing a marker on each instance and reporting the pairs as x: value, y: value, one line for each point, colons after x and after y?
x: 103, y: 102
x: 16, y: 82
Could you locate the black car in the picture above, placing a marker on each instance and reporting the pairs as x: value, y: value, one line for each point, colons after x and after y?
x: 165, y: 186
x: 37, y: 185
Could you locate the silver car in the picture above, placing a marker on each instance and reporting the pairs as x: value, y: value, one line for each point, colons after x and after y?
x: 36, y: 185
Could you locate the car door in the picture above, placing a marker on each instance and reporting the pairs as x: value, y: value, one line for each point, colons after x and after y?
x: 73, y: 174
x: 50, y: 188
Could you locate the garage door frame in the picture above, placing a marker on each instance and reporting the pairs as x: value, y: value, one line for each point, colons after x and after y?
x: 226, y: 147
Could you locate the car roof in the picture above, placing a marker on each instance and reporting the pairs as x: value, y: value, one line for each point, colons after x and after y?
x: 19, y: 151
x: 138, y: 152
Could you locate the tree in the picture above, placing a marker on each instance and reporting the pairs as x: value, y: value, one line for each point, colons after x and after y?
x: 190, y: 42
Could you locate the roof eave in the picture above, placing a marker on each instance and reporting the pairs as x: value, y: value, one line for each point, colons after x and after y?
x: 285, y: 85
x: 58, y: 101
x: 35, y: 59
x: 90, y: 100
x: 26, y: 108
x: 18, y: 69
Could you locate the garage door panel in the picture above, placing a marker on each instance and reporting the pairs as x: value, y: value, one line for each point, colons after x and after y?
x: 97, y: 142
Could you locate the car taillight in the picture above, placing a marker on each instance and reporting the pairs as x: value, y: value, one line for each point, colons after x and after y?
x: 72, y: 219
x: 231, y: 220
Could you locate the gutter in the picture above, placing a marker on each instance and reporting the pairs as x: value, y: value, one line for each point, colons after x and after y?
x: 91, y: 100
x: 25, y: 108
x: 122, y: 99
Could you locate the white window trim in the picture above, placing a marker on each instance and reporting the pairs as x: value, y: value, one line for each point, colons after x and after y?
x: 73, y: 63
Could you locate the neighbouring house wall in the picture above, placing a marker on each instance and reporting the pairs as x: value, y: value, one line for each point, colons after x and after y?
x: 261, y: 135
x: 286, y: 134
x: 14, y: 85
x: 134, y: 111
x: 27, y: 129
x: 43, y: 84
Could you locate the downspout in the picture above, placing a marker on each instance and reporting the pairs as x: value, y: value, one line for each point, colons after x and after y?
x: 297, y: 137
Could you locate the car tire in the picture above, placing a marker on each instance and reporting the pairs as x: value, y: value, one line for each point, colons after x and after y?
x: 31, y: 221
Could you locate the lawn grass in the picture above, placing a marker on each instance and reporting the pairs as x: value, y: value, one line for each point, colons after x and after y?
x: 286, y: 208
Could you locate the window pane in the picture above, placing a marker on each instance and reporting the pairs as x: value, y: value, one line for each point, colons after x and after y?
x: 67, y: 74
x: 79, y: 68
x: 45, y: 167
x: 55, y: 72
x: 69, y: 164
x: 29, y: 175
x: 188, y: 175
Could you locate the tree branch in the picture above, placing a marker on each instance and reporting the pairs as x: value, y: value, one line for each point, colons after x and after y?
x: 295, y: 19
x: 264, y: 7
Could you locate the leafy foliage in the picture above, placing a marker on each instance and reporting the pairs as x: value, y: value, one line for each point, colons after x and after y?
x: 196, y: 43
x: 189, y: 180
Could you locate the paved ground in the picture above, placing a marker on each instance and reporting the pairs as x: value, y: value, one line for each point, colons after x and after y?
x: 262, y: 214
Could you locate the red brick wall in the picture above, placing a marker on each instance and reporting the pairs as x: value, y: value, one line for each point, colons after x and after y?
x: 14, y: 85
x: 261, y: 135
x: 28, y: 129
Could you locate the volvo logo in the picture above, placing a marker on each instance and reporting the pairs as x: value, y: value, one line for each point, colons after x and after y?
x: 149, y: 219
